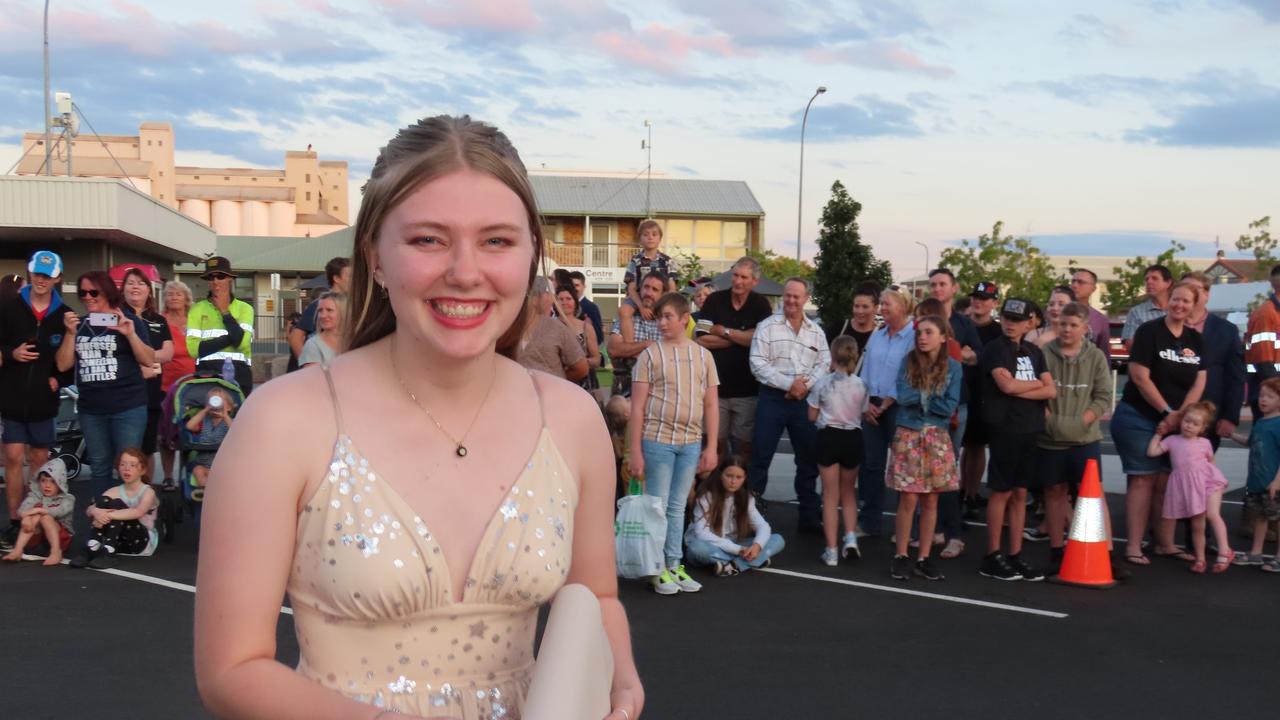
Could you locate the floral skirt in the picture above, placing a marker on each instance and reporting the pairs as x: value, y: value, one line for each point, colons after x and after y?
x: 923, y: 461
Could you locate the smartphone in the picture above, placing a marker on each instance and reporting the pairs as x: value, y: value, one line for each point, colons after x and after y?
x: 101, y: 319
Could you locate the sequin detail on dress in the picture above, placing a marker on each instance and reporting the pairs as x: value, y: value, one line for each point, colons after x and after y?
x: 372, y: 593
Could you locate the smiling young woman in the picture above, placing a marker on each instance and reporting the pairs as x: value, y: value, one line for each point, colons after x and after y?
x: 415, y: 577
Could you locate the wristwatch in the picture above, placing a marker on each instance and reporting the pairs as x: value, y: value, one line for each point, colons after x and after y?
x: 1166, y: 412
x: 727, y: 331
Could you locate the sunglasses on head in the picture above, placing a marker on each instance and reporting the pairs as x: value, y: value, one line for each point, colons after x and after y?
x: 84, y: 292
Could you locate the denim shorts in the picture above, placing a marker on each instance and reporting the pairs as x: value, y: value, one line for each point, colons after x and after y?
x: 38, y: 434
x: 1131, y: 431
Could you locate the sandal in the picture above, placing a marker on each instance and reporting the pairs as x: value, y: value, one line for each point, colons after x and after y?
x: 1198, y: 566
x: 1138, y: 559
x: 954, y: 547
x: 1176, y: 554
x: 1223, y: 562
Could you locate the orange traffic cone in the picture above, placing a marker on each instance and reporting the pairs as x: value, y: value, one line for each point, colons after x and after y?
x: 1087, y: 561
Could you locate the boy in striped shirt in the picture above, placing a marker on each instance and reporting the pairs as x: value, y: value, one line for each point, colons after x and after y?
x: 674, y: 403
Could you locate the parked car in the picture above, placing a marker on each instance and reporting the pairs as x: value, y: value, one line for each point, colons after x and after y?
x: 1119, y: 353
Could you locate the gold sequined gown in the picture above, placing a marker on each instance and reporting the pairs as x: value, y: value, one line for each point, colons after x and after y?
x: 372, y: 594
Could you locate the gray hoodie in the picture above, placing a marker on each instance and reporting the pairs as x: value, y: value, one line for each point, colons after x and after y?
x: 59, y: 506
x: 1084, y: 383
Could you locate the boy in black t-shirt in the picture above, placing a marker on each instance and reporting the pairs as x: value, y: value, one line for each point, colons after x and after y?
x: 1015, y: 389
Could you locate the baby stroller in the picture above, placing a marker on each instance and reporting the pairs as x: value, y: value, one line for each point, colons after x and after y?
x: 69, y: 441
x: 187, y: 396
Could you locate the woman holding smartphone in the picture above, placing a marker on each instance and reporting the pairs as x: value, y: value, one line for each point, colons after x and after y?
x: 111, y: 347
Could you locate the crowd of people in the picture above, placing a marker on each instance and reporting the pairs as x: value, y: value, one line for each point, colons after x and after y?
x: 927, y: 398
x: 117, y: 363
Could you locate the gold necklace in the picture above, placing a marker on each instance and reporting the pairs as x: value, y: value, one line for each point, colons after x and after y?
x: 460, y: 449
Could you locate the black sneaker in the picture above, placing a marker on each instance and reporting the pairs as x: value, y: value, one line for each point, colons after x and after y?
x: 997, y: 566
x: 103, y: 561
x: 900, y: 568
x: 80, y: 560
x: 1027, y: 572
x: 10, y: 536
x: 926, y: 570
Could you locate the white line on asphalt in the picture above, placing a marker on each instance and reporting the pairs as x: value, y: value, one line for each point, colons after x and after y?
x: 147, y: 579
x: 918, y: 593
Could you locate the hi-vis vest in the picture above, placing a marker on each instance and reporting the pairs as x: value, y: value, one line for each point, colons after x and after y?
x: 1262, y: 339
x: 204, y: 322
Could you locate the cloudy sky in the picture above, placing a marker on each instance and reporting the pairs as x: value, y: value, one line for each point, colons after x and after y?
x: 1097, y: 127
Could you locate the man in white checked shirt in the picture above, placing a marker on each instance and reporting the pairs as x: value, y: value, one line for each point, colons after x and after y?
x: 789, y: 354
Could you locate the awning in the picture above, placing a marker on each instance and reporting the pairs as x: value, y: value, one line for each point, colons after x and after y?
x: 35, y: 208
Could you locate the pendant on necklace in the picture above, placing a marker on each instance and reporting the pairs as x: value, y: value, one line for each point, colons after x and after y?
x: 462, y: 451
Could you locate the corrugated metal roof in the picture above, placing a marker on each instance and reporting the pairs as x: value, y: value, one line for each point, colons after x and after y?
x: 585, y: 195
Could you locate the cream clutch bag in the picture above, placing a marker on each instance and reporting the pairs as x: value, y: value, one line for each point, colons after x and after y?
x: 574, y: 670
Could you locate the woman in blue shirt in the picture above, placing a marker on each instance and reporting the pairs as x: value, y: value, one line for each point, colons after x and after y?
x: 880, y: 365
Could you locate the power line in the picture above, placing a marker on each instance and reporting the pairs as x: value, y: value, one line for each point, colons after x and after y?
x: 104, y: 145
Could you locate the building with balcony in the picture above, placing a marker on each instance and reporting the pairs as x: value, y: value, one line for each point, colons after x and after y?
x: 305, y: 198
x: 590, y: 219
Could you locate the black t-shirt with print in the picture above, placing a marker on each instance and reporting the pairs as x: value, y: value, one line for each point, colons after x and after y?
x: 107, y: 374
x: 1173, y: 362
x: 1007, y: 413
x: 733, y: 364
x: 972, y: 377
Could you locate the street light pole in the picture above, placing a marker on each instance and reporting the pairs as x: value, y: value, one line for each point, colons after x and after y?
x: 800, y: 210
x: 926, y: 255
x: 648, y: 184
x: 48, y: 148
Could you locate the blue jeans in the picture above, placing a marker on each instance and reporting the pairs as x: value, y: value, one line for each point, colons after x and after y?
x: 775, y: 413
x: 950, y: 505
x: 702, y: 552
x: 877, y: 439
x: 105, y: 436
x: 668, y: 473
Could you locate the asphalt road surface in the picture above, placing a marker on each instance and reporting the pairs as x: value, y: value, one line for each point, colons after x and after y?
x: 799, y: 640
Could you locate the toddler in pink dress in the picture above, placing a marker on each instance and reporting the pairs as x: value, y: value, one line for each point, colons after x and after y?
x: 1196, y: 484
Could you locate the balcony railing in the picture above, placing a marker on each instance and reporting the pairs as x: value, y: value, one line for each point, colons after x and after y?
x: 596, y: 255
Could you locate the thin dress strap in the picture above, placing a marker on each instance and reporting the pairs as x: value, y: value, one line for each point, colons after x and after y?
x: 542, y: 409
x: 333, y: 395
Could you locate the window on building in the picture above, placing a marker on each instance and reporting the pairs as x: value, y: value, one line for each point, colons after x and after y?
x: 308, y: 195
x: 335, y: 208
x: 308, y: 178
x: 197, y: 177
x: 161, y: 143
x: 148, y: 143
x: 553, y: 233
x: 161, y: 173
x: 735, y: 239
x: 706, y: 237
x: 226, y: 177
x: 677, y: 235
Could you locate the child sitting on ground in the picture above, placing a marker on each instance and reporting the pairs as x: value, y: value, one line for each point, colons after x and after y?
x: 1264, y: 474
x: 723, y: 512
x: 124, y: 517
x: 46, y: 513
x: 211, y: 424
x: 1195, y: 484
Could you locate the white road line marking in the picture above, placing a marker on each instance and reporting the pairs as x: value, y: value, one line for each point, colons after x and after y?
x: 147, y: 579
x: 918, y: 593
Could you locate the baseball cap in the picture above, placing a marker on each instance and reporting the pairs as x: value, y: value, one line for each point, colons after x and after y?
x: 1018, y: 309
x: 45, y: 262
x: 986, y: 290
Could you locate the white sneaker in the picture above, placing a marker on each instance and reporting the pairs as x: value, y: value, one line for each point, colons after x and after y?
x: 93, y: 544
x: 664, y: 584
x: 683, y: 581
x: 829, y: 557
x: 849, y: 546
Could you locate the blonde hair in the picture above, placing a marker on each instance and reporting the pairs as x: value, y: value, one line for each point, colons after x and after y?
x: 1194, y: 288
x: 908, y: 305
x: 646, y: 224
x: 844, y: 353
x: 418, y: 154
x: 182, y: 288
x: 1205, y: 408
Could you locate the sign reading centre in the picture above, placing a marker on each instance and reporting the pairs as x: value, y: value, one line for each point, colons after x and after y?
x: 600, y: 274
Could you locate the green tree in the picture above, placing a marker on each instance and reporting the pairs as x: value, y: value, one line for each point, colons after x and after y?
x: 843, y: 261
x: 690, y: 266
x: 1014, y: 264
x: 1262, y: 245
x: 780, y: 267
x: 1129, y: 285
